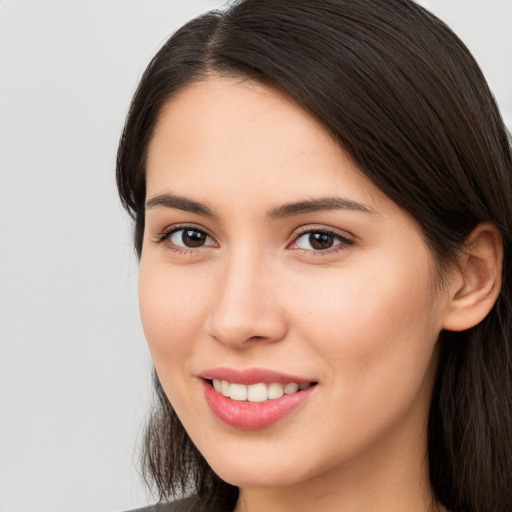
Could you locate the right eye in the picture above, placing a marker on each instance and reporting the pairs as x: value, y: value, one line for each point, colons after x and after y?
x: 189, y: 238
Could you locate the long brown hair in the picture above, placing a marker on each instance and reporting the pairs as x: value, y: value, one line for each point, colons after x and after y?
x: 406, y: 99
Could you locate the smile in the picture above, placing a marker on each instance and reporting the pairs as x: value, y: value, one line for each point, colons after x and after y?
x: 255, y: 405
x: 259, y: 392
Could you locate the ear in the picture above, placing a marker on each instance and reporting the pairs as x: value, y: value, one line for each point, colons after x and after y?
x: 475, y: 284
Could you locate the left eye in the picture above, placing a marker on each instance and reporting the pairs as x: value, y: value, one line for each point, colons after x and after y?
x: 187, y: 237
x: 318, y: 241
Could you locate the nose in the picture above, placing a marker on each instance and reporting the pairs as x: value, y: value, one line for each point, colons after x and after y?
x: 245, y: 307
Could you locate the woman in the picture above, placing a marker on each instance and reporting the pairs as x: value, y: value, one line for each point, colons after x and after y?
x: 322, y: 200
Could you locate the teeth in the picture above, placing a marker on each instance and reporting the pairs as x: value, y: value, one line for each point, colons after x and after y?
x: 217, y: 385
x: 291, y: 388
x: 275, y: 391
x: 257, y: 392
x: 238, y: 392
x: 225, y: 388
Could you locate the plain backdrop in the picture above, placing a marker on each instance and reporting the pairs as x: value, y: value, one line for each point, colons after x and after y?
x: 74, y: 367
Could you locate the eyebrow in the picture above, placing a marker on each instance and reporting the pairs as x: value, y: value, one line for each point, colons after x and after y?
x: 179, y: 203
x: 279, y: 212
x: 318, y: 205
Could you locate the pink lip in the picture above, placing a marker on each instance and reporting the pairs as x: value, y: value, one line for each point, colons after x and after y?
x: 252, y: 415
x: 251, y: 376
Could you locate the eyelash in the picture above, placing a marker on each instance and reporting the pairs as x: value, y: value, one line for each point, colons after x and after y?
x: 344, y: 242
x: 165, y: 238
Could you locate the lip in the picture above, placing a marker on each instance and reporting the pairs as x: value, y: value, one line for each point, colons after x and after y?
x: 251, y: 376
x: 252, y: 415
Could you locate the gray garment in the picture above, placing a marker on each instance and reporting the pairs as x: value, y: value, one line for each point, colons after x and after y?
x: 191, y: 504
x: 185, y: 505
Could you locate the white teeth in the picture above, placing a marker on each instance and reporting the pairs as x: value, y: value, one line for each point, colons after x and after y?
x: 238, y: 392
x: 217, y: 385
x: 275, y: 391
x: 257, y: 392
x: 225, y: 385
x: 291, y: 388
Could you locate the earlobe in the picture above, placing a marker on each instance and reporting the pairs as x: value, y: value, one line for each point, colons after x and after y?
x: 476, y: 283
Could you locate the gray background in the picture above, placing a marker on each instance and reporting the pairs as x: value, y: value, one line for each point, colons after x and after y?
x: 74, y: 367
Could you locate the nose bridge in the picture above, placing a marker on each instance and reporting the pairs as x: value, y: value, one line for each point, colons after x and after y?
x: 245, y: 306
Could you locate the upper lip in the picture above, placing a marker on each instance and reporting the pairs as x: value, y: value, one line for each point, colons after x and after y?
x: 251, y: 376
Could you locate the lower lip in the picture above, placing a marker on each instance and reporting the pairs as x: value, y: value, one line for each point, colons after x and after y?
x: 253, y: 415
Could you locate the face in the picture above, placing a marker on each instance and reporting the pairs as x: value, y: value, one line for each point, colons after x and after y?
x: 270, y: 261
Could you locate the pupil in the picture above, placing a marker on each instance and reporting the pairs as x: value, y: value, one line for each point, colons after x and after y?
x: 193, y: 238
x: 320, y: 240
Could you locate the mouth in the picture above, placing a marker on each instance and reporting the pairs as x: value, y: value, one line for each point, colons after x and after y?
x: 257, y: 405
x: 258, y: 392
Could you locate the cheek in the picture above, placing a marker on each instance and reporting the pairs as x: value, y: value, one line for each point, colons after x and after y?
x: 171, y: 306
x: 373, y: 327
x: 374, y: 339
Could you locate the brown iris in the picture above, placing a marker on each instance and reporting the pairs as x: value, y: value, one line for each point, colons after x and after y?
x: 321, y: 241
x: 193, y: 238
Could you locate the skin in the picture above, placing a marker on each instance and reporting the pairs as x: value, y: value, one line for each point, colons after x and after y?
x: 361, y: 318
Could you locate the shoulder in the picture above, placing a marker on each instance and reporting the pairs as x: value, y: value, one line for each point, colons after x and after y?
x: 185, y: 505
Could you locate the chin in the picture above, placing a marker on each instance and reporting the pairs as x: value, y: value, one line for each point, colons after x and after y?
x: 244, y: 474
x: 263, y: 463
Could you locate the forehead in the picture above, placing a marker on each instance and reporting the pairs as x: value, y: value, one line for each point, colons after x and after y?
x: 241, y: 139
